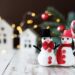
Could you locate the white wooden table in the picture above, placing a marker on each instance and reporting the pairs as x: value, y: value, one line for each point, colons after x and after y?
x: 23, y: 63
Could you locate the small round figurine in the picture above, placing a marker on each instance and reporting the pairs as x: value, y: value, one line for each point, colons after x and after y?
x: 46, y: 56
x: 64, y: 54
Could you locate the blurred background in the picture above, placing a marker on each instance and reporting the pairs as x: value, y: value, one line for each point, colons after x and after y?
x: 13, y: 10
x: 16, y: 12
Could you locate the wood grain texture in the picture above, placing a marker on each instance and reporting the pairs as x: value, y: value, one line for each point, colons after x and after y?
x: 26, y: 64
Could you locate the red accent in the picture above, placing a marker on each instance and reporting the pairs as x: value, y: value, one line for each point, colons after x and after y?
x: 49, y: 60
x: 67, y: 33
x: 61, y: 28
x: 60, y: 55
x: 72, y: 28
x: 49, y: 50
x: 44, y: 16
x: 63, y: 56
x: 48, y: 46
x: 64, y: 51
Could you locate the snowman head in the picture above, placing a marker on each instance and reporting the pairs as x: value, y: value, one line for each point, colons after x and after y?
x: 66, y: 37
x: 48, y: 39
x: 66, y: 40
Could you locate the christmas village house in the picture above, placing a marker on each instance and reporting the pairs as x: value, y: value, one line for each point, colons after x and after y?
x: 27, y: 39
x: 6, y: 32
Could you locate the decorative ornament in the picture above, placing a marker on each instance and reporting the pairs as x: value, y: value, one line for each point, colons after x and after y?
x: 61, y: 28
x: 46, y: 57
x: 73, y: 28
x: 64, y: 52
x: 44, y: 16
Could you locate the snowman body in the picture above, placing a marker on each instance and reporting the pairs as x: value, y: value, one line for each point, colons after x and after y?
x: 65, y: 55
x: 46, y: 58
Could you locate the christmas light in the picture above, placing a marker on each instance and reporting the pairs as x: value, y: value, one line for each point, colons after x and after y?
x: 35, y: 26
x: 18, y: 46
x: 29, y: 21
x: 48, y: 27
x: 33, y: 14
x: 19, y: 29
x: 0, y: 18
x: 13, y: 25
x: 58, y: 20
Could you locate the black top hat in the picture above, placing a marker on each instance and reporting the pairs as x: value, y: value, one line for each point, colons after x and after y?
x: 45, y: 33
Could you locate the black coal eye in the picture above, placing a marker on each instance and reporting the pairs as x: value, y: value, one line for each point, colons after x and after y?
x: 67, y: 38
x: 62, y: 38
x: 44, y: 38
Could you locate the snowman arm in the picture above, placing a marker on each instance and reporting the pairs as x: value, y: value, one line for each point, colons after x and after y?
x: 72, y: 45
x: 36, y: 47
x: 56, y: 46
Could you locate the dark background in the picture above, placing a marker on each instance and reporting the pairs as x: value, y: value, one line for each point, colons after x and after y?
x: 13, y: 10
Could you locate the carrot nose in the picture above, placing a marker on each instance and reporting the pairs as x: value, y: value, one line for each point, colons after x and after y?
x: 65, y: 42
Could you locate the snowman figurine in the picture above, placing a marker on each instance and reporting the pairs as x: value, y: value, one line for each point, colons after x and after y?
x: 64, y: 54
x: 46, y: 57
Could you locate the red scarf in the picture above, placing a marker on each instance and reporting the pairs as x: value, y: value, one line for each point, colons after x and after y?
x: 59, y: 55
x: 64, y: 45
x: 48, y: 46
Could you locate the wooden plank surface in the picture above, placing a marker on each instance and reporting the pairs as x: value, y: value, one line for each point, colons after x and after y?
x: 26, y: 64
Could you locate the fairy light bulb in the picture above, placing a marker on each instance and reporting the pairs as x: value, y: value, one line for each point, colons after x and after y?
x: 33, y: 14
x: 13, y: 25
x: 35, y: 26
x: 19, y: 29
x: 58, y: 20
x: 29, y: 21
x: 48, y: 27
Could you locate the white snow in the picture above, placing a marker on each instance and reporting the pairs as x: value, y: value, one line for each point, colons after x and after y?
x: 24, y: 63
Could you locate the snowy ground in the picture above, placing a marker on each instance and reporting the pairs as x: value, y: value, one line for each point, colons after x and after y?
x: 19, y: 62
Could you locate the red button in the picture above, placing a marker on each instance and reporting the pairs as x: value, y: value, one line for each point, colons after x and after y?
x: 64, y: 51
x: 63, y: 56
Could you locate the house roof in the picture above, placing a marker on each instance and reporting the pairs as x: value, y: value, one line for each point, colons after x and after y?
x: 30, y: 30
x: 5, y: 23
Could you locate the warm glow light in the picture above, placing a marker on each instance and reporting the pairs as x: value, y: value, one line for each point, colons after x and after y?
x: 33, y: 14
x: 18, y: 46
x: 48, y: 13
x: 19, y: 29
x: 3, y: 51
x: 29, y: 21
x: 48, y: 27
x: 58, y: 20
x: 0, y: 18
x: 35, y: 26
x: 13, y: 25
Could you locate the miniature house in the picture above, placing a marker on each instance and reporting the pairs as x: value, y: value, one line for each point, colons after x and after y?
x: 27, y: 39
x: 6, y: 33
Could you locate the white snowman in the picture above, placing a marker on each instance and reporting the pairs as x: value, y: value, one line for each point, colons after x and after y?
x: 46, y: 57
x: 64, y: 54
